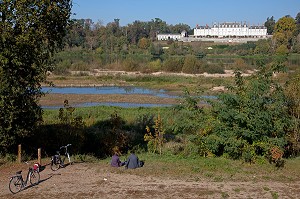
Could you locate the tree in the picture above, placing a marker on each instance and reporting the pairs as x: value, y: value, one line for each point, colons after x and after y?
x: 76, y: 35
x: 292, y: 91
x: 178, y: 28
x: 144, y: 43
x: 297, y: 19
x: 270, y: 24
x: 136, y: 31
x: 283, y: 31
x: 31, y: 32
x: 155, y: 140
x: 250, y: 119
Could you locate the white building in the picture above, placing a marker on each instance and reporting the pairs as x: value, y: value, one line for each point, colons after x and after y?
x: 169, y: 36
x: 238, y: 30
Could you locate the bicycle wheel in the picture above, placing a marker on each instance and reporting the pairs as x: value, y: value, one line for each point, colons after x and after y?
x: 55, y: 164
x: 15, y: 184
x: 34, y: 178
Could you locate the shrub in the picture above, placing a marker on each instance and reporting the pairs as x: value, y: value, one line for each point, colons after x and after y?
x: 173, y: 65
x: 155, y: 65
x: 190, y: 64
x: 130, y: 64
x: 213, y: 68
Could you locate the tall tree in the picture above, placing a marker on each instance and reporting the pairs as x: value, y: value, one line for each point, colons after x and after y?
x: 283, y: 31
x: 293, y: 92
x: 297, y: 19
x: 270, y: 24
x: 31, y: 32
x: 178, y: 28
x: 76, y: 35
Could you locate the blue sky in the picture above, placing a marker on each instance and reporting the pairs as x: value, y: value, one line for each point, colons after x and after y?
x: 191, y: 12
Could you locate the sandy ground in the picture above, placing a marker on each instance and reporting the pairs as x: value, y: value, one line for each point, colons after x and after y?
x: 94, y: 180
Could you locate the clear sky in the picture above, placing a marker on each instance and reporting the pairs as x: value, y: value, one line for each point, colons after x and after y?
x: 191, y: 12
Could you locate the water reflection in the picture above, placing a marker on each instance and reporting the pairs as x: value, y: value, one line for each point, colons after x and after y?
x: 105, y: 90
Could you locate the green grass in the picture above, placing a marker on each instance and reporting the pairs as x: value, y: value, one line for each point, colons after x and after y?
x: 100, y: 113
x: 213, y: 169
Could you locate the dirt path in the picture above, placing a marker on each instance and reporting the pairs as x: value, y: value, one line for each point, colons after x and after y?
x: 96, y: 180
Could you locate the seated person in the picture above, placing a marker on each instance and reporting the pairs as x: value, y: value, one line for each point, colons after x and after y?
x: 133, y: 161
x: 115, y: 160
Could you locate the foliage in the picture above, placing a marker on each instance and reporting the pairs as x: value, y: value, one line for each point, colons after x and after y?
x: 213, y: 68
x: 270, y: 24
x: 130, y: 65
x: 293, y: 91
x: 263, y: 46
x: 112, y: 133
x: 31, y: 31
x: 276, y: 156
x: 144, y: 43
x: 155, y: 140
x: 283, y: 31
x: 187, y: 117
x: 190, y: 65
x: 173, y: 65
x: 66, y: 115
x: 254, y: 111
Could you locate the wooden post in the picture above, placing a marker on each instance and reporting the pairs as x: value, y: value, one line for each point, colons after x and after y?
x: 19, y: 154
x: 39, y: 156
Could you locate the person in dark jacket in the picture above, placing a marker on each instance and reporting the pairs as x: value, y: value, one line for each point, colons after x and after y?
x: 132, y: 161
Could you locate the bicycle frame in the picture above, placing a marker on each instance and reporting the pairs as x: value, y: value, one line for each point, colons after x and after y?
x: 18, y: 183
x: 27, y: 179
x: 57, y: 161
x: 66, y: 154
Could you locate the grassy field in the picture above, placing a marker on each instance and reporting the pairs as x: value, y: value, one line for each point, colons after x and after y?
x: 219, y: 169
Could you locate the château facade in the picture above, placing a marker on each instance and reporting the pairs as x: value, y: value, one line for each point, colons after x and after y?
x: 229, y: 29
x: 221, y: 32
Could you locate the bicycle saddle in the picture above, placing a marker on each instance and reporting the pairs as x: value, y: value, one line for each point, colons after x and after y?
x: 19, y: 172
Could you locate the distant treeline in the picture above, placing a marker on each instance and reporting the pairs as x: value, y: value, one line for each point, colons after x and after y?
x: 134, y: 47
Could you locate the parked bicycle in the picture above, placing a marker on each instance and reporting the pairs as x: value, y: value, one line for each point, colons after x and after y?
x: 17, y: 183
x: 58, y: 160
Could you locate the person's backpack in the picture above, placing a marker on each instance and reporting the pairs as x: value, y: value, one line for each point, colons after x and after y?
x: 55, y: 159
x: 141, y: 163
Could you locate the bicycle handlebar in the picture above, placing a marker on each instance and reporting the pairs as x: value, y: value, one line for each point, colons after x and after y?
x: 65, y: 146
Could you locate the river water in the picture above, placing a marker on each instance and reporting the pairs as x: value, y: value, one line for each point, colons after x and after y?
x: 105, y: 90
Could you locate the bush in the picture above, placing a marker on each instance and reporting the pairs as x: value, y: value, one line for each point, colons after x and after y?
x: 130, y: 64
x: 213, y: 69
x: 190, y: 64
x: 154, y: 66
x: 173, y: 65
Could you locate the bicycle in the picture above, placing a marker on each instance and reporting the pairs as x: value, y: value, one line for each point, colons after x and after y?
x: 17, y: 183
x: 56, y: 160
